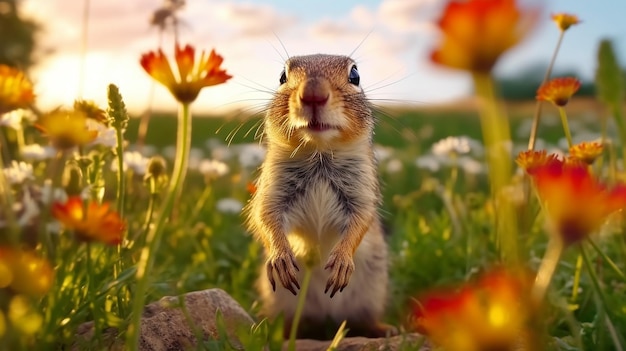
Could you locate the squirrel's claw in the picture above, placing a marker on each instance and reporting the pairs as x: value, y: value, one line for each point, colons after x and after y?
x: 341, y: 268
x: 285, y: 267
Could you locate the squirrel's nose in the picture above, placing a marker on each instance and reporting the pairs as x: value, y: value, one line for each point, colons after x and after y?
x: 314, y: 92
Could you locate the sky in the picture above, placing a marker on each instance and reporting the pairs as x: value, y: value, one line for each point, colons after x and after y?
x: 391, y: 41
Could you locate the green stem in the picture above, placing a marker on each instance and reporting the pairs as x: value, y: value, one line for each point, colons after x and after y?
x: 301, y: 301
x: 151, y: 204
x: 496, y: 135
x: 206, y: 193
x: 603, y: 299
x: 546, y: 269
x: 153, y: 239
x: 577, y: 272
x: 608, y: 260
x: 537, y: 116
x: 121, y: 181
x: 6, y: 202
x: 568, y: 134
x: 91, y: 291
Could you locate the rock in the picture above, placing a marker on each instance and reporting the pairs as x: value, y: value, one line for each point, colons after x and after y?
x: 164, y: 326
x: 401, y: 342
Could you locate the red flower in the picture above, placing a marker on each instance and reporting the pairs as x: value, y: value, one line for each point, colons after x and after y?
x: 491, y: 314
x: 477, y: 32
x: 97, y: 223
x: 192, y: 75
x: 530, y: 159
x: 558, y: 90
x: 577, y: 204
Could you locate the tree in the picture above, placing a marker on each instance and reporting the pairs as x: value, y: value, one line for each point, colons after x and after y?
x: 17, y: 36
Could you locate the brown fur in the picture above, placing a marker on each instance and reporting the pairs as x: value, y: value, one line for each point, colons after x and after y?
x: 317, y: 199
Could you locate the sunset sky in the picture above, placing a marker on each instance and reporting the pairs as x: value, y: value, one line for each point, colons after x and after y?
x: 396, y: 36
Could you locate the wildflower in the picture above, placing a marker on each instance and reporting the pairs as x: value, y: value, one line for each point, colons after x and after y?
x: 36, y: 152
x: 16, y: 91
x: 12, y: 119
x: 106, y: 136
x: 251, y: 188
x: 66, y: 129
x: 229, y: 206
x: 26, y: 210
x: 558, y: 90
x: 576, y: 203
x: 428, y: 162
x: 470, y: 165
x: 477, y: 32
x: 192, y: 76
x: 530, y: 159
x: 156, y: 167
x: 91, y: 111
x: 213, y: 169
x: 251, y: 155
x: 18, y: 172
x: 451, y: 146
x: 93, y: 222
x: 586, y: 152
x: 565, y: 20
x: 394, y: 166
x: 135, y: 161
x: 25, y: 272
x: 490, y: 314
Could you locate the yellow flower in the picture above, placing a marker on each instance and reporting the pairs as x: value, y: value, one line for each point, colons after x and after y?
x: 91, y: 111
x: 490, y: 314
x: 66, y: 129
x: 586, y: 152
x: 91, y: 222
x: 565, y: 20
x: 25, y: 272
x: 477, y: 32
x: 577, y: 204
x: 531, y: 159
x: 558, y: 90
x: 192, y: 75
x: 15, y: 90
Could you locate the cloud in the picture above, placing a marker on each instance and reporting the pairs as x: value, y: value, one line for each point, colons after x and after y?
x: 389, y: 40
x: 408, y: 16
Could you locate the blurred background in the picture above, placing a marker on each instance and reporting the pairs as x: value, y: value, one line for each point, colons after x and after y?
x: 74, y: 49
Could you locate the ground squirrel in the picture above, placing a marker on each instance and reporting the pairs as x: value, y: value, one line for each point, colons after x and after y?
x: 316, y: 201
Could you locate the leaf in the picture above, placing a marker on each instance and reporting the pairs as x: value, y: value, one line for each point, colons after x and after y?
x: 610, y: 86
x: 609, y: 79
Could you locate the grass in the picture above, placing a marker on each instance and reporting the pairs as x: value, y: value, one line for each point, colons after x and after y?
x: 439, y: 226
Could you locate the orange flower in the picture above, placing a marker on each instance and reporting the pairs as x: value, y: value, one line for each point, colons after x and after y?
x: 577, y: 204
x: 490, y: 314
x: 558, y: 90
x: 92, y: 111
x: 98, y: 223
x: 25, y: 272
x: 586, y: 152
x: 477, y: 32
x: 565, y: 20
x: 15, y: 90
x: 66, y: 129
x: 192, y: 77
x: 531, y: 159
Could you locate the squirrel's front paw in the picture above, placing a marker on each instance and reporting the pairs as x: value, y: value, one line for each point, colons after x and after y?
x: 284, y: 264
x: 341, y: 267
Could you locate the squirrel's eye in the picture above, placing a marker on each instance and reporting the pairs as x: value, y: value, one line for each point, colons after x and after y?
x: 354, y: 77
x: 283, y: 77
